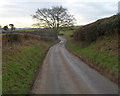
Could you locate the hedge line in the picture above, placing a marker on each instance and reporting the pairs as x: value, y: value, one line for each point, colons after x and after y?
x: 102, y: 27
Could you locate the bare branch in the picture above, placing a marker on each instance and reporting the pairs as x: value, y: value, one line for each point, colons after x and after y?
x: 54, y: 17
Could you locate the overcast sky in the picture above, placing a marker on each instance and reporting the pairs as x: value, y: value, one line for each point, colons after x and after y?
x: 18, y: 12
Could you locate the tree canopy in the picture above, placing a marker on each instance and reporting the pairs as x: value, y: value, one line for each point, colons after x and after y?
x: 12, y: 26
x: 54, y: 17
x: 5, y: 27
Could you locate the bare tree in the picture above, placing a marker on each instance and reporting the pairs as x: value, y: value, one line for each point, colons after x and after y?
x: 54, y: 17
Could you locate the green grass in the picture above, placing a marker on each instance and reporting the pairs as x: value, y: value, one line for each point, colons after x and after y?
x: 19, y: 67
x: 101, y: 59
x: 0, y: 83
x: 67, y: 32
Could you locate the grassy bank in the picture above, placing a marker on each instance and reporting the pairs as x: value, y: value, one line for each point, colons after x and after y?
x: 102, y: 55
x: 20, y: 63
x: 97, y: 44
x: 102, y: 27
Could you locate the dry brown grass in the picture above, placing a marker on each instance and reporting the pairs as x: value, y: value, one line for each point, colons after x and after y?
x: 22, y: 39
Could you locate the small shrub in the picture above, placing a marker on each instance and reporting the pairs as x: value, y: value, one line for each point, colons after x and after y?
x: 13, y: 38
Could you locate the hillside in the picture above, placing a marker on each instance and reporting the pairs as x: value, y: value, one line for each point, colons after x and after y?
x: 97, y: 45
x: 46, y: 33
x: 22, y: 56
x: 102, y: 27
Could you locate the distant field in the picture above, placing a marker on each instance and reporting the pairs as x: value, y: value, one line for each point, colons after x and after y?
x: 24, y: 30
x: 69, y: 31
x: 29, y: 29
x: 66, y: 32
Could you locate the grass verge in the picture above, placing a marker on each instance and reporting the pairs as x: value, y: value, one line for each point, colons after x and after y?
x: 103, y: 61
x: 20, y: 64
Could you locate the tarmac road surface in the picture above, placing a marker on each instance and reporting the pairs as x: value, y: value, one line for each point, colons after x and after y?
x: 64, y: 73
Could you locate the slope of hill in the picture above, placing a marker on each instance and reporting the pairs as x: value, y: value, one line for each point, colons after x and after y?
x: 103, y: 27
x: 22, y: 56
x: 97, y: 44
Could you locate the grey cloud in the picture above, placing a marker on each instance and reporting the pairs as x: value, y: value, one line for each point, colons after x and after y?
x: 93, y: 10
x: 24, y: 8
x: 90, y: 11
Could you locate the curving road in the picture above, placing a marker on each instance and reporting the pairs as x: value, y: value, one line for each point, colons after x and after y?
x: 64, y: 73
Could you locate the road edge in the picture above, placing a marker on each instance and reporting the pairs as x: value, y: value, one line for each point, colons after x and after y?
x: 98, y: 69
x: 38, y: 70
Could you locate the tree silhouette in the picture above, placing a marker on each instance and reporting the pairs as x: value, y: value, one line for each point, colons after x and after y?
x: 12, y: 26
x: 5, y: 27
x: 54, y: 17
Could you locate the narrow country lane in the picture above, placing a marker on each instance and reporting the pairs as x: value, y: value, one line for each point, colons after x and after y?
x: 64, y: 73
